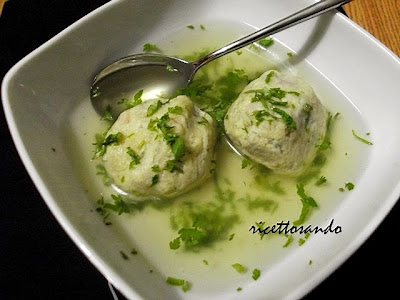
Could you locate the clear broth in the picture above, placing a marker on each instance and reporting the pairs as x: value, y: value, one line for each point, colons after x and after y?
x: 210, y: 268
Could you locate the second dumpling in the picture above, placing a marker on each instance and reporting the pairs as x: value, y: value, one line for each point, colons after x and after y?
x: 277, y: 121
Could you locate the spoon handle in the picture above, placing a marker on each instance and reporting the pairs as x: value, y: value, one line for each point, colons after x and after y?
x: 305, y: 14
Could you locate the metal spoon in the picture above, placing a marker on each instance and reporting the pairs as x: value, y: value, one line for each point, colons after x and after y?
x: 159, y: 74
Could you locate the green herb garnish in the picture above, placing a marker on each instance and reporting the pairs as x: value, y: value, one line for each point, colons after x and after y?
x: 107, y: 114
x: 290, y: 123
x: 321, y: 180
x: 170, y: 68
x: 307, y: 108
x: 123, y: 255
x: 154, y: 179
x: 179, y: 282
x: 239, y: 268
x: 175, y: 110
x: 175, y: 243
x: 102, y: 143
x: 156, y: 168
x: 260, y: 116
x: 153, y: 108
x: 268, y: 77
x: 173, y: 165
x: 256, y: 274
x: 326, y: 144
x: 266, y: 42
x: 135, y: 157
x: 349, y: 186
x: 150, y: 48
x: 119, y: 206
x: 361, y: 139
x: 246, y: 162
x: 101, y: 170
x: 307, y: 201
x: 288, y: 241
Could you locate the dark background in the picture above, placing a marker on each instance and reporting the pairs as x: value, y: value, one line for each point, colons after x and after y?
x: 37, y: 258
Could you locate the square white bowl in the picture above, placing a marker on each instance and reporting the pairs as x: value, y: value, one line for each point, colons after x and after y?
x: 40, y: 92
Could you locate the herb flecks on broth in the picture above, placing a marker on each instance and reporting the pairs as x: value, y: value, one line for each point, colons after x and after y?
x: 236, y: 191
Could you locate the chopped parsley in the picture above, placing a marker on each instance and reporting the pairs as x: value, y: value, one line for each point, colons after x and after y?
x: 260, y: 116
x: 301, y: 241
x: 150, y: 48
x: 321, y: 180
x: 102, y: 143
x: 239, y: 268
x: 308, y: 203
x: 178, y: 148
x: 179, y: 282
x: 201, y: 225
x: 326, y: 144
x: 266, y: 96
x: 349, y: 186
x: 216, y: 98
x: 176, y: 142
x: 194, y: 89
x: 156, y: 168
x: 246, y: 162
x: 256, y: 274
x: 154, y: 179
x: 141, y: 145
x: 268, y: 77
x: 119, y: 206
x: 135, y: 157
x: 266, y: 42
x: 170, y: 68
x: 290, y: 123
x: 173, y: 165
x: 270, y: 99
x: 101, y: 170
x: 175, y: 110
x: 307, y: 108
x: 107, y: 116
x: 153, y: 108
x: 137, y: 99
x: 361, y: 139
x: 123, y: 255
x: 175, y: 243
x: 190, y: 27
x: 189, y: 236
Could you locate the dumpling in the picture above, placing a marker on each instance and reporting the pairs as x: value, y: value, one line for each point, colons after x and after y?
x: 164, y: 148
x: 277, y: 121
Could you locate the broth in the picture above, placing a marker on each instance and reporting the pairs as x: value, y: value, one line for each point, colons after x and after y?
x: 235, y: 198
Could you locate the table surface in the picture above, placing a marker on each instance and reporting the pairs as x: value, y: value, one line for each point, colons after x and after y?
x: 37, y: 258
x: 381, y: 18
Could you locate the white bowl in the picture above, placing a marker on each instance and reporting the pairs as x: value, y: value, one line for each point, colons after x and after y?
x: 42, y: 90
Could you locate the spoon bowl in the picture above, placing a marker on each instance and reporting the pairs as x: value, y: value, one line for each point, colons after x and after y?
x: 156, y: 74
x: 160, y: 75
